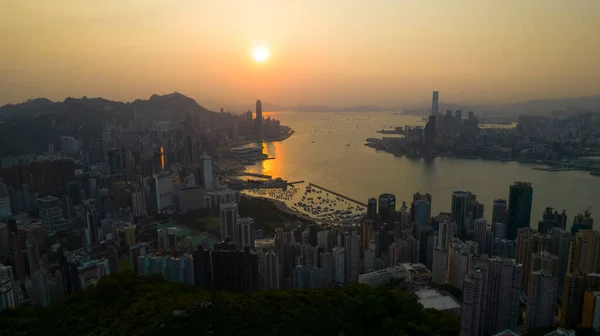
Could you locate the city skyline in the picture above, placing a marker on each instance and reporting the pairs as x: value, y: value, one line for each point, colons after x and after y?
x: 387, y: 53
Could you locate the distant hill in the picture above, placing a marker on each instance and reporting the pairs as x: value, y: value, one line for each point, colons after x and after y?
x: 531, y: 107
x: 30, y: 126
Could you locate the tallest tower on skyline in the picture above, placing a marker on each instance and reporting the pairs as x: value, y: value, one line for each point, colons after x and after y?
x: 259, y: 120
x: 435, y: 103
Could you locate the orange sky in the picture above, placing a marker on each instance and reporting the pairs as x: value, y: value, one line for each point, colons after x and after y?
x: 385, y: 52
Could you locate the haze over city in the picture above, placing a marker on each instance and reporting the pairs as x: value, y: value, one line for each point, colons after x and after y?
x: 335, y: 52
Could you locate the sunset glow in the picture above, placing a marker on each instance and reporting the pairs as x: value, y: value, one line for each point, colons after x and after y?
x: 260, y: 54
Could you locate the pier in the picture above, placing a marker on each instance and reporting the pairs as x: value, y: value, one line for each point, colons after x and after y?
x: 295, y: 182
x: 337, y: 194
x: 255, y: 175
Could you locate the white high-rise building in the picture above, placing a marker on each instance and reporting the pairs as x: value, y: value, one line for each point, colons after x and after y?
x: 207, y: 174
x: 440, y: 265
x: 164, y: 190
x: 228, y: 216
x: 339, y: 265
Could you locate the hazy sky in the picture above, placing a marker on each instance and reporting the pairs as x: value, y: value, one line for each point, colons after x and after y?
x: 337, y: 52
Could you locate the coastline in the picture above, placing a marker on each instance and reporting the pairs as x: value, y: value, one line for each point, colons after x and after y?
x: 282, y: 206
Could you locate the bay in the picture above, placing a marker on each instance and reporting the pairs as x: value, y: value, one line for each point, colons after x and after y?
x: 328, y: 149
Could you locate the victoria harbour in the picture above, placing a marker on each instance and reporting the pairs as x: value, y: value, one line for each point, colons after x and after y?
x: 328, y: 149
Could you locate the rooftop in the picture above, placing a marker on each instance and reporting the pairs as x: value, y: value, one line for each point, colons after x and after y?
x: 432, y: 298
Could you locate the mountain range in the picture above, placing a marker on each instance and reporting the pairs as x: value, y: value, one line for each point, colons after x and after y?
x: 30, y: 126
x: 531, y: 107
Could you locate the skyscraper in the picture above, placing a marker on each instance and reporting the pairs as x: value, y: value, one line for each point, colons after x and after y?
x: 206, y: 178
x: 259, y: 120
x: 372, y: 208
x: 519, y: 207
x: 435, y: 103
x: 228, y: 216
x: 387, y: 206
x: 459, y: 211
x: 50, y: 214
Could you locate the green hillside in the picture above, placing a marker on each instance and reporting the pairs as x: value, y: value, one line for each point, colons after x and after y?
x: 125, y: 304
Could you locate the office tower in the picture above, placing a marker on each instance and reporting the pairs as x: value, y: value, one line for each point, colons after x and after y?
x: 440, y: 265
x: 113, y: 260
x: 481, y: 235
x: 519, y: 207
x: 387, y: 207
x: 503, y: 248
x: 372, y: 208
x: 459, y: 211
x: 552, y: 219
x: 339, y: 265
x: 422, y: 212
x: 367, y: 232
x: 228, y: 216
x: 541, y: 300
x: 445, y: 235
x: 50, y: 214
x: 474, y: 303
x: 435, y: 103
x: 206, y: 176
x: 163, y: 185
x: 258, y: 127
x: 244, y: 232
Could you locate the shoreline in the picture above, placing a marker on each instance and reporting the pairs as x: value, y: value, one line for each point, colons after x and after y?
x: 282, y: 206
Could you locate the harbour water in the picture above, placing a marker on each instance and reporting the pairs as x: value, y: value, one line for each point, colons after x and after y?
x: 328, y: 149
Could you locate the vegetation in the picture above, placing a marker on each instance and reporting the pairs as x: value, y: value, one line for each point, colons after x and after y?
x: 126, y: 304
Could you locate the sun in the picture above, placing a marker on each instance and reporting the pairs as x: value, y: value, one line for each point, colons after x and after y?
x: 260, y: 54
